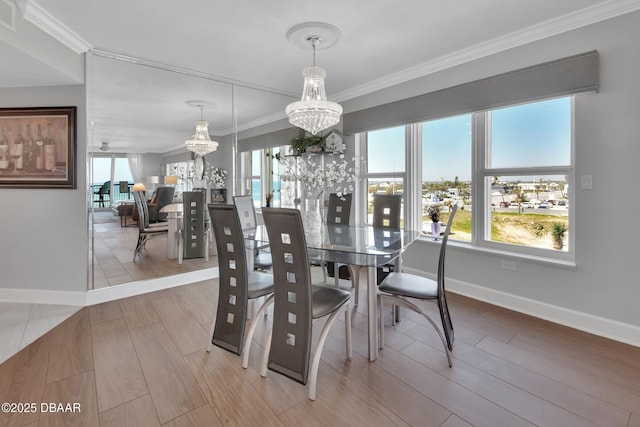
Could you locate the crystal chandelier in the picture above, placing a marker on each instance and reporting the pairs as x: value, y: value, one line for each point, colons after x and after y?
x: 200, y: 142
x: 313, y: 112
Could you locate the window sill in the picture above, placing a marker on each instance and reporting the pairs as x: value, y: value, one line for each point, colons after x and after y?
x: 467, y: 247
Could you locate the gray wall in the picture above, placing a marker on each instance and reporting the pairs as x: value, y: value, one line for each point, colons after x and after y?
x: 43, y: 238
x: 605, y: 281
x: 43, y: 233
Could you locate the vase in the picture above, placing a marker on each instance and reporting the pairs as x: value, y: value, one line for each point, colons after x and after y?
x: 435, y: 230
x: 311, y: 213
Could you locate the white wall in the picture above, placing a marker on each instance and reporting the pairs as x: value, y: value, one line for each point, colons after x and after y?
x: 604, y: 287
x: 43, y: 233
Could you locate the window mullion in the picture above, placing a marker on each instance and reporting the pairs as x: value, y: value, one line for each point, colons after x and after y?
x: 478, y: 187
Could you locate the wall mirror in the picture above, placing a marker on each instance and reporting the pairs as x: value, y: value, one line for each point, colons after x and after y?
x: 139, y: 116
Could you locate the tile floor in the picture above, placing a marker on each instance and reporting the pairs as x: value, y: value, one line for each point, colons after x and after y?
x: 21, y: 324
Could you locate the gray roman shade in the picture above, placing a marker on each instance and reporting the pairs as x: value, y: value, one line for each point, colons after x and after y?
x: 566, y: 76
x: 268, y: 140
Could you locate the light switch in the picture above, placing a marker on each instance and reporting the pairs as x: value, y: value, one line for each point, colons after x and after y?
x: 586, y: 182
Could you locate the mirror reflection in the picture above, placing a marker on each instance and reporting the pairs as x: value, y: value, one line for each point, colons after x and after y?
x: 140, y: 115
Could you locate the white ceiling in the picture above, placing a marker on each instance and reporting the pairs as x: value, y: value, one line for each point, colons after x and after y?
x: 142, y: 108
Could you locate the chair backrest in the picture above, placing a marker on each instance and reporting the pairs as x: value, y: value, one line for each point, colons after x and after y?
x: 106, y: 188
x: 386, y: 210
x: 246, y: 211
x: 442, y: 301
x: 233, y: 278
x: 164, y: 196
x: 193, y: 214
x: 143, y: 209
x: 292, y: 315
x: 123, y: 187
x: 339, y: 209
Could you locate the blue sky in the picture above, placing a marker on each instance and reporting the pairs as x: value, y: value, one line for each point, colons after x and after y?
x: 535, y: 134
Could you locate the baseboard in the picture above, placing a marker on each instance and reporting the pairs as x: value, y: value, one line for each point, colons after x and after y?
x: 81, y: 299
x: 111, y: 293
x: 601, y: 326
x: 43, y: 296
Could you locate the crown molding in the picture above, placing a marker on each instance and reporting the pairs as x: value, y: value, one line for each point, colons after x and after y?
x: 552, y: 27
x: 34, y: 13
x: 8, y: 15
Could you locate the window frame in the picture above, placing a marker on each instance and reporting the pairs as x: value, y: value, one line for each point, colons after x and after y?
x: 361, y: 187
x: 480, y: 191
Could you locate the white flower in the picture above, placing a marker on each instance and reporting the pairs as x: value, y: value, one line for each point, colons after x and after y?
x: 337, y: 174
x: 212, y: 175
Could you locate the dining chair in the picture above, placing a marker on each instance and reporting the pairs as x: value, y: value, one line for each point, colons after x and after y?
x: 146, y: 231
x: 103, y: 191
x: 386, y: 214
x: 297, y: 303
x: 339, y: 212
x: 248, y: 220
x: 123, y: 188
x: 193, y: 237
x: 237, y: 286
x: 399, y: 288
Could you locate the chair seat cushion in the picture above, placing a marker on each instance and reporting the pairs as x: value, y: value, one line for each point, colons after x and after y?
x: 263, y: 260
x: 409, y: 285
x: 159, y: 225
x: 259, y: 284
x: 327, y: 300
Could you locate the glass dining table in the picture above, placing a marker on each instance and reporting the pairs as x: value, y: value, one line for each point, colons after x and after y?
x: 358, y: 245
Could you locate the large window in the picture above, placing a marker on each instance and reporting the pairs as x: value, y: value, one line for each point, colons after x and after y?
x: 509, y: 170
x: 110, y: 169
x: 528, y: 166
x: 183, y: 171
x: 446, y: 173
x: 385, y: 165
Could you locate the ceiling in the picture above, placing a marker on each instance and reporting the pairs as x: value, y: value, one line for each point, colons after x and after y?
x: 139, y: 103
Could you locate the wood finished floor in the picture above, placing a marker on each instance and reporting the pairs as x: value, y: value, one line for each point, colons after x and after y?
x: 140, y: 361
x: 113, y: 254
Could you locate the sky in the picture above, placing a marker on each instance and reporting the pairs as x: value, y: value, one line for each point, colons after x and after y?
x: 102, y: 170
x: 535, y: 134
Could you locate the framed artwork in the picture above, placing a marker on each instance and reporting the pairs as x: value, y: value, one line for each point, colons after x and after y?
x: 219, y: 195
x: 38, y: 147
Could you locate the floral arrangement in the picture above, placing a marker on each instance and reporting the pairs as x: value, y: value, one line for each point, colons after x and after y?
x: 212, y: 175
x: 216, y: 176
x: 434, y: 213
x: 337, y: 174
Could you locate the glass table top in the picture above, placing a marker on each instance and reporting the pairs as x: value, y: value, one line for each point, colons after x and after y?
x: 349, y: 244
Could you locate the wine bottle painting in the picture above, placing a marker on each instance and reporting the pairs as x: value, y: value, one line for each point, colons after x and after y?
x: 37, y: 147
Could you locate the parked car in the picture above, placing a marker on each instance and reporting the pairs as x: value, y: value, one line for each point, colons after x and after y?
x: 504, y: 204
x: 514, y: 205
x: 545, y: 205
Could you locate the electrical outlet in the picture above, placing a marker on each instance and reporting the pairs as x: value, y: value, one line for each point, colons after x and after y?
x: 509, y: 265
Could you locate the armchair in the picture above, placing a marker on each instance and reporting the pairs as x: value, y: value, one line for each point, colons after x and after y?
x: 163, y: 196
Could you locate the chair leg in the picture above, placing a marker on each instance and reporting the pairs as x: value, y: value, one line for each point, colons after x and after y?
x: 381, y: 321
x: 395, y: 300
x: 249, y: 338
x: 180, y: 250
x: 354, y: 271
x: 265, y: 355
x: 315, y: 362
x: 206, y: 246
x: 347, y: 332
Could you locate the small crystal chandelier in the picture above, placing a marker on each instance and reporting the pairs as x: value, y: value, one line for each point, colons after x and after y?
x: 314, y: 112
x: 200, y: 142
